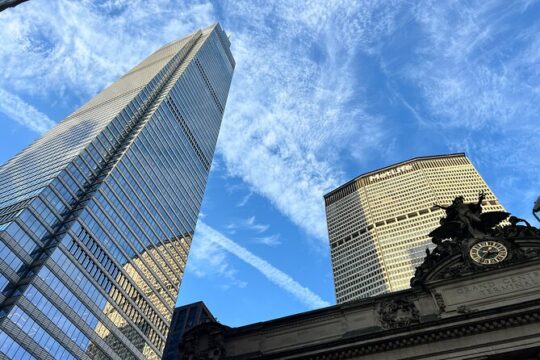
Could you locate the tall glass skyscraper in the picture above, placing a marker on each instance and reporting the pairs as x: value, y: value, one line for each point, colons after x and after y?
x: 96, y: 217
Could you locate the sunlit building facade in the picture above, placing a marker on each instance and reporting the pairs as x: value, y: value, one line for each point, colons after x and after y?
x: 378, y: 222
x: 96, y: 216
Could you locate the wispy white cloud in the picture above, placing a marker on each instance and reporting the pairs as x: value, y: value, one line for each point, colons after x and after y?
x: 249, y: 223
x: 78, y: 47
x: 271, y: 240
x: 207, y: 234
x: 252, y: 224
x: 470, y: 75
x: 477, y: 67
x: 295, y: 97
x: 296, y: 100
x: 207, y: 259
x: 23, y: 113
x: 231, y: 228
x: 244, y: 200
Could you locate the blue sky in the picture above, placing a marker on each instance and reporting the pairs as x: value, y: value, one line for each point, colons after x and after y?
x: 322, y: 91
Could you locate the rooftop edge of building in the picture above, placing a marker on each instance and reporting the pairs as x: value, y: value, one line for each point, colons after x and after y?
x: 386, y: 168
x: 206, y: 30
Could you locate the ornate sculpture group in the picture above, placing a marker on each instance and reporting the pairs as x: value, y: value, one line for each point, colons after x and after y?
x: 466, y: 220
x: 464, y: 225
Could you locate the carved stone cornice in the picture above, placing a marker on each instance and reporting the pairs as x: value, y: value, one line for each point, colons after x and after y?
x: 424, y: 333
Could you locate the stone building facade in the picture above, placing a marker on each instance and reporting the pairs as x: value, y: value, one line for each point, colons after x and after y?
x: 462, y: 305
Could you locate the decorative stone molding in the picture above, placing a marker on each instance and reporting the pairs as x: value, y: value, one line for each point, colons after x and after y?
x: 397, y: 313
x: 462, y: 309
x: 439, y: 300
x: 426, y: 337
x: 456, y: 295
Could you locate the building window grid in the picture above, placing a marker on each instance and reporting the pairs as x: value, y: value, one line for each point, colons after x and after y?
x: 24, y: 322
x: 108, y: 198
x: 151, y: 191
x: 121, y: 250
x: 181, y: 175
x: 89, y: 293
x: 108, y: 290
x: 116, y: 184
x: 345, y: 227
x: 161, y: 220
x: 109, y: 300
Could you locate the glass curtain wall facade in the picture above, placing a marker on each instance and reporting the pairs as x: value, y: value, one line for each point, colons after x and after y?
x: 378, y: 222
x: 96, y: 216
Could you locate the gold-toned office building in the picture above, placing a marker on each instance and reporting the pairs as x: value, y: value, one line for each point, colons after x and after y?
x: 379, y: 221
x: 167, y: 257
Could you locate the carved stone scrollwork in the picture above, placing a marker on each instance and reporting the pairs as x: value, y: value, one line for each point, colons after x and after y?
x: 453, y: 271
x: 440, y: 302
x: 531, y: 253
x: 397, y: 313
x: 462, y: 309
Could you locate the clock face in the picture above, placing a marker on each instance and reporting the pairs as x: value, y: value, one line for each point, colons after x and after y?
x: 488, y: 252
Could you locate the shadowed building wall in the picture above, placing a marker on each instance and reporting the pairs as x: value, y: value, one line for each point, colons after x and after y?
x: 96, y: 216
x: 4, y: 4
x: 184, y: 318
x: 378, y: 222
